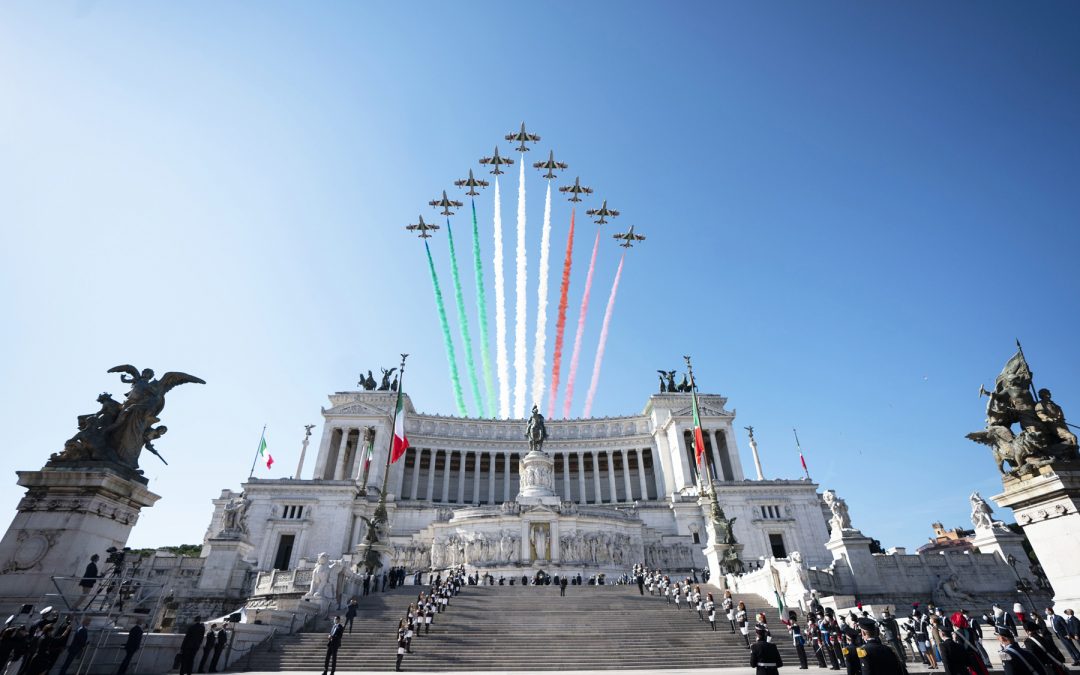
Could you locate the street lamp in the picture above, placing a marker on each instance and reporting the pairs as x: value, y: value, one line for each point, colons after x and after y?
x: 1022, y: 585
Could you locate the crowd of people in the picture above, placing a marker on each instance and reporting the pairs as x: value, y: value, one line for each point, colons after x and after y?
x: 417, y: 619
x: 35, y: 648
x: 863, y: 644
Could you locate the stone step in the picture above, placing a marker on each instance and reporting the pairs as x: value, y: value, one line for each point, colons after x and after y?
x: 508, y: 628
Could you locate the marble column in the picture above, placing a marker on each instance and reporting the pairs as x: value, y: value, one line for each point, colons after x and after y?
x: 476, y: 478
x: 460, y: 497
x: 430, y: 494
x: 506, y: 479
x: 568, y: 496
x: 445, y: 496
x: 581, y: 478
x: 415, y: 473
x: 324, y: 453
x: 339, y: 468
x: 596, y: 477
x: 626, y: 474
x: 641, y: 474
x: 491, y: 477
x: 611, y: 476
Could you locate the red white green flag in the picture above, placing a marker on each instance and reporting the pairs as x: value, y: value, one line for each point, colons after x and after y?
x: 264, y: 453
x: 699, y: 438
x: 401, y: 443
x: 368, y: 454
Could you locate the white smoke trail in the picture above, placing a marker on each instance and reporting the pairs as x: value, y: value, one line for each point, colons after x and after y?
x: 501, y: 362
x: 522, y: 303
x: 540, y: 343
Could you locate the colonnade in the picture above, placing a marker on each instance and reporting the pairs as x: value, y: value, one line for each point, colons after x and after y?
x: 604, y: 476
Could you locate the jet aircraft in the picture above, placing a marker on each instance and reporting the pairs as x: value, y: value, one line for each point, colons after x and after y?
x: 629, y: 237
x: 472, y: 184
x: 521, y: 137
x: 445, y: 203
x: 495, y: 161
x: 603, y: 212
x: 576, y: 190
x: 422, y: 228
x: 551, y: 165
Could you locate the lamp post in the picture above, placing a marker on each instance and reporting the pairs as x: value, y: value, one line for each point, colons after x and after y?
x: 1022, y: 585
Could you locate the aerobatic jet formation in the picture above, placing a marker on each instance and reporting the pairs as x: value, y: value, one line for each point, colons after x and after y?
x: 445, y: 203
x: 422, y: 228
x: 603, y: 212
x: 472, y: 184
x: 629, y: 237
x: 551, y: 165
x: 496, y: 161
x: 521, y: 137
x: 576, y: 190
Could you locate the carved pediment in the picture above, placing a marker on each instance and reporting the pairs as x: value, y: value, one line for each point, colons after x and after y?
x: 703, y: 410
x: 357, y: 408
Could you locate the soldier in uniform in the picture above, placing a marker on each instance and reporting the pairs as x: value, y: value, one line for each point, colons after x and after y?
x: 797, y: 638
x: 764, y: 655
x: 1015, y: 660
x: 851, y: 643
x: 874, y: 657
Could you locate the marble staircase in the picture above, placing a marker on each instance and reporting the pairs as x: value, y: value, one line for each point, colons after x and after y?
x: 529, y: 628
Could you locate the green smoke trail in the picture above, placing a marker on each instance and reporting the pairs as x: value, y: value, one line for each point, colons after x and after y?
x: 481, y: 309
x: 463, y: 323
x: 455, y: 381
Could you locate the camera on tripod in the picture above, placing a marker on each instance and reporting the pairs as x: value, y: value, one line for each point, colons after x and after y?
x: 116, y: 556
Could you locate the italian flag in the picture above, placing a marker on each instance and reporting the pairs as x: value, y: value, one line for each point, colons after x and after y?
x: 263, y: 452
x: 368, y: 454
x: 699, y: 438
x: 401, y: 444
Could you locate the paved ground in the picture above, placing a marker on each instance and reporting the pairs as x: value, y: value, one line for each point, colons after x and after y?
x: 678, y: 671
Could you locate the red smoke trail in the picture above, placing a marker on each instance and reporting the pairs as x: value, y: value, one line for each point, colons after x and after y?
x: 560, y: 325
x: 603, y: 340
x: 580, y: 330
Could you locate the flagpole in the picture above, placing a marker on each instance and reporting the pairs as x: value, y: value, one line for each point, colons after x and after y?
x: 693, y: 394
x: 801, y: 458
x: 257, y: 448
x: 380, y: 518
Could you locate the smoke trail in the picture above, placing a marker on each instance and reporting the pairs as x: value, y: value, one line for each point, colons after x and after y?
x: 580, y: 330
x: 603, y: 340
x: 560, y: 324
x: 521, y: 311
x: 540, y: 342
x: 448, y: 343
x: 481, y: 311
x: 501, y: 362
x: 463, y: 323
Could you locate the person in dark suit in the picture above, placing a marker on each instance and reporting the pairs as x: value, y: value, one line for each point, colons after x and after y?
x: 874, y: 657
x: 134, y: 641
x: 89, y: 578
x: 193, y: 638
x: 333, y: 642
x: 764, y: 655
x: 1072, y: 625
x: 78, y: 643
x: 350, y: 614
x: 562, y: 586
x: 219, y: 646
x: 1015, y: 660
x: 954, y: 656
x: 208, y: 646
x: 1060, y: 625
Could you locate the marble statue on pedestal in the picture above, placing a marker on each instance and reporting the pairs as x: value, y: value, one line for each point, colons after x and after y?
x: 841, y: 520
x: 234, y: 518
x: 981, y: 514
x: 324, y: 579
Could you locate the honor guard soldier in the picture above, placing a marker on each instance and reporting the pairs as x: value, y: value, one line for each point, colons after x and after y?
x: 1015, y: 660
x: 874, y: 657
x: 764, y: 655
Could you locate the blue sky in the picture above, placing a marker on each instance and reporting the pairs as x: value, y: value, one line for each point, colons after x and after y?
x: 852, y: 211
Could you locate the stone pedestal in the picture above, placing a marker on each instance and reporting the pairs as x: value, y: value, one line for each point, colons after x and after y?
x: 67, y: 515
x: 715, y: 555
x: 851, y: 548
x: 1007, y: 545
x: 225, y: 557
x: 538, y: 480
x: 1046, y: 507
